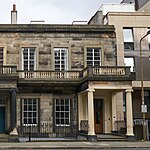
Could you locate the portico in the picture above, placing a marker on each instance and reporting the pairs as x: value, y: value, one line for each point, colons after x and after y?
x: 101, y: 106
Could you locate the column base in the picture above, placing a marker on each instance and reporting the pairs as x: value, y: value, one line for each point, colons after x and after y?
x: 14, y: 135
x: 131, y: 137
x: 14, y: 132
x: 92, y: 137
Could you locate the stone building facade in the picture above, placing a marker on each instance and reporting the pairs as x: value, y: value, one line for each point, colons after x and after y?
x: 61, y: 75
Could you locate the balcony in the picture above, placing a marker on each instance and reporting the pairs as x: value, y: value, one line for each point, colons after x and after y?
x: 8, y: 72
x: 89, y: 73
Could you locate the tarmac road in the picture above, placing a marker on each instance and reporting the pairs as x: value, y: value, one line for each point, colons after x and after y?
x: 83, y: 149
x: 70, y: 145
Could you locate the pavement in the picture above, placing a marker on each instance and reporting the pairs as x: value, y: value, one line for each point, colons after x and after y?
x: 73, y: 145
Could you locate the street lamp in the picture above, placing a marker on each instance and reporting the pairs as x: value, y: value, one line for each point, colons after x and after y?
x: 142, y: 87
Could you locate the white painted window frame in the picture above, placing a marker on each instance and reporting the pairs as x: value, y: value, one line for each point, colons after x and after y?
x: 29, y: 111
x: 60, y: 50
x: 62, y: 112
x: 34, y: 60
x: 93, y: 60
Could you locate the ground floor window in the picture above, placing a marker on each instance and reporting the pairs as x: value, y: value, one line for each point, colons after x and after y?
x: 30, y: 111
x: 62, y: 112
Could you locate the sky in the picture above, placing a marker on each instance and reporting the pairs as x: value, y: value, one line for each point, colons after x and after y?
x: 50, y: 11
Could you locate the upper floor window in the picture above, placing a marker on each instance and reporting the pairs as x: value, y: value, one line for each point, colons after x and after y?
x: 128, y: 39
x: 93, y: 56
x: 1, y: 56
x: 28, y: 59
x: 30, y: 111
x: 61, y: 58
x: 129, y: 61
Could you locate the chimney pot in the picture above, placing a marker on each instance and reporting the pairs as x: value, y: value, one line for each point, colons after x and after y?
x: 14, y: 7
x: 14, y: 15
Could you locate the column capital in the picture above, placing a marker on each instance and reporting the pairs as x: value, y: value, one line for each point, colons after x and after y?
x: 129, y: 90
x: 90, y: 90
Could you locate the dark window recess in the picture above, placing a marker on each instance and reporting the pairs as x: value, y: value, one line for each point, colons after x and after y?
x: 1, y: 56
x: 128, y: 46
x: 147, y: 100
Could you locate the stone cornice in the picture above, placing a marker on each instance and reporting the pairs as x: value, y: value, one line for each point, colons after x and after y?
x: 48, y: 28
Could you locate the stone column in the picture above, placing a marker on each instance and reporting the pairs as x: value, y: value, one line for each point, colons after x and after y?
x: 80, y: 109
x: 113, y: 111
x: 91, y: 130
x: 129, y: 115
x: 13, y: 115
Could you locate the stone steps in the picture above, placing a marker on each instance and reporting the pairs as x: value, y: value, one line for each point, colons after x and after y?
x: 107, y: 137
x: 4, y: 137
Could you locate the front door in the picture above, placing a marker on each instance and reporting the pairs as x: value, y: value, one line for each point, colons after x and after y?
x: 2, y: 119
x: 98, y: 115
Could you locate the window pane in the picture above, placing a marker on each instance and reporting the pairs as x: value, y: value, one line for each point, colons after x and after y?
x: 62, y: 121
x: 34, y: 121
x: 67, y: 102
x: 57, y: 101
x: 57, y: 115
x: 129, y: 62
x: 67, y: 121
x: 128, y: 35
x: 62, y: 108
x: 66, y: 115
x: 62, y: 115
x: 57, y: 121
x: 97, y: 63
x: 25, y: 121
x: 25, y: 107
x: 67, y: 108
x: 57, y: 108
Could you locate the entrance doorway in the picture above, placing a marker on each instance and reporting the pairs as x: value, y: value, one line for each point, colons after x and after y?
x: 2, y: 119
x: 98, y: 115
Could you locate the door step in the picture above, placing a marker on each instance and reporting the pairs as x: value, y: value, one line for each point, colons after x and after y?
x: 110, y: 137
x: 4, y: 137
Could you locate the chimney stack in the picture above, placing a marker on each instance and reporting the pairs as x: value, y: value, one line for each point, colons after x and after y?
x: 14, y: 15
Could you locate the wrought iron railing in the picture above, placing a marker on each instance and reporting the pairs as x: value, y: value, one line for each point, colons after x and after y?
x: 46, y: 131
